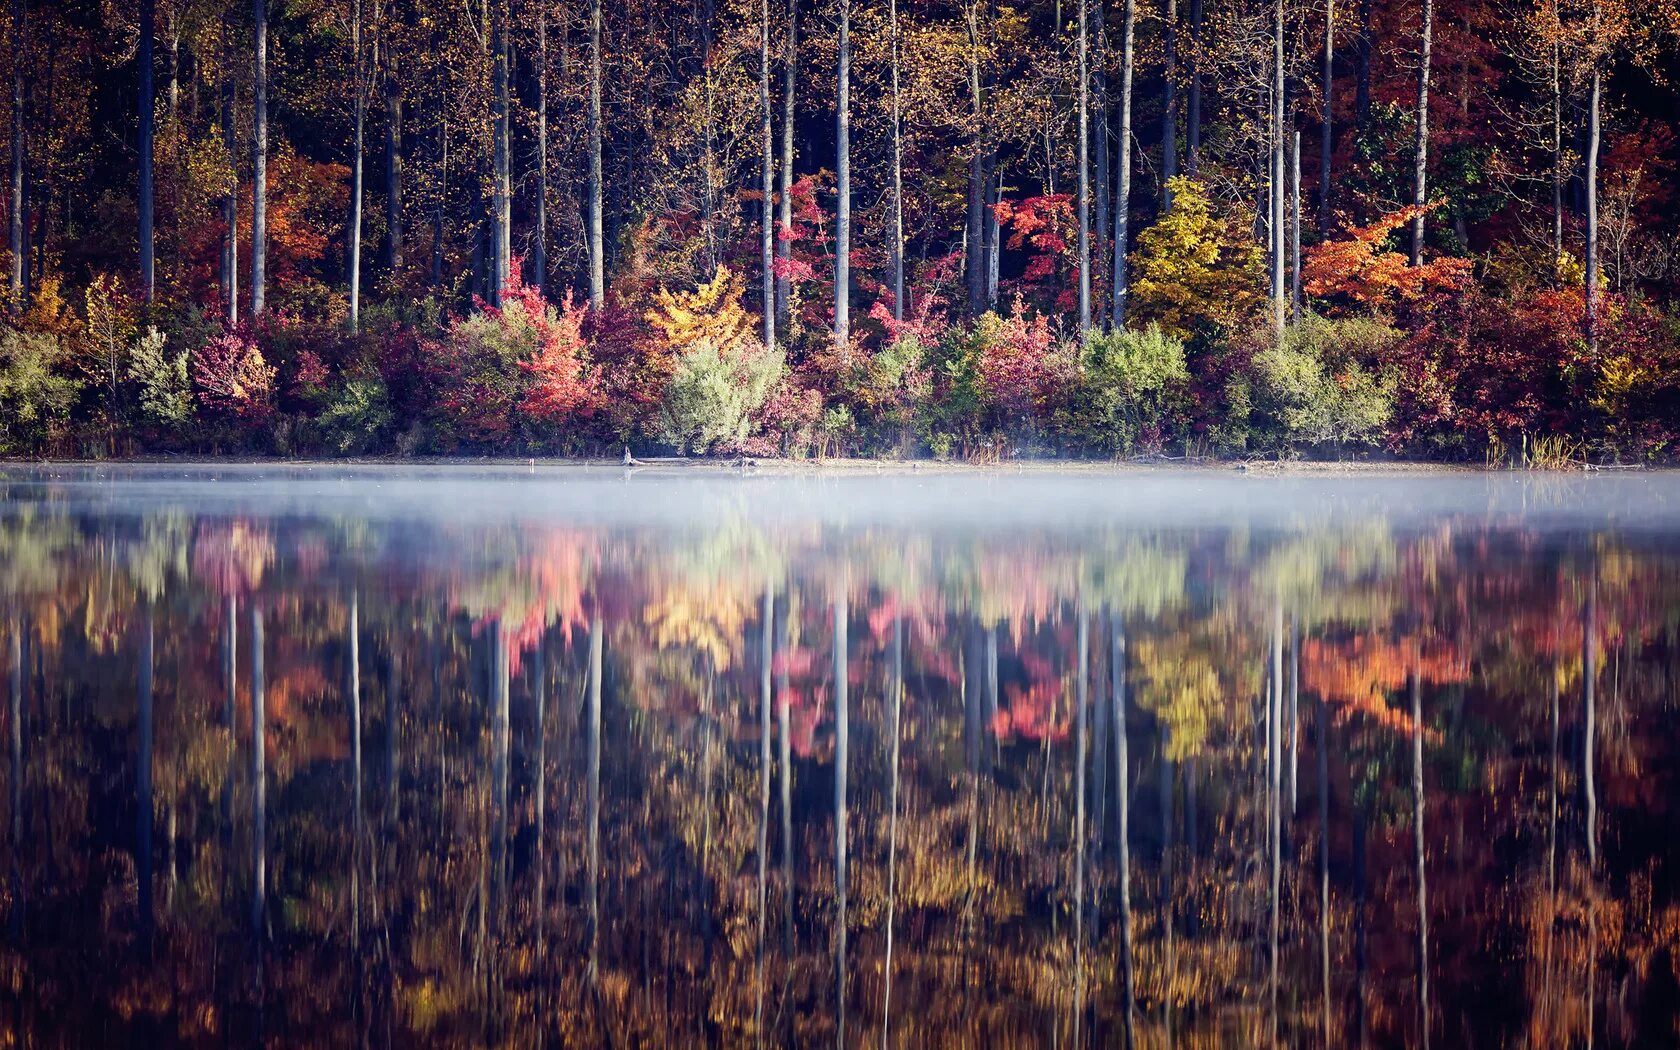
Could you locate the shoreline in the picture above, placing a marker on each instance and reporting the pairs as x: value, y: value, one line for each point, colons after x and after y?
x: 787, y: 467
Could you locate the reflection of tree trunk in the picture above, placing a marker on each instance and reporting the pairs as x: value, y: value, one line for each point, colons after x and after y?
x: 895, y: 697
x: 1168, y: 917
x: 1417, y: 840
x: 594, y: 802
x: 767, y: 642
x: 783, y: 698
x: 1082, y: 689
x: 1274, y: 742
x: 1360, y: 953
x: 1551, y: 859
x: 353, y: 694
x: 143, y: 786
x: 1122, y: 812
x: 499, y: 769
x: 1295, y: 673
x: 842, y: 734
x: 1323, y: 749
x: 259, y: 778
x: 15, y: 733
x: 1589, y: 717
x: 393, y: 728
x: 539, y: 700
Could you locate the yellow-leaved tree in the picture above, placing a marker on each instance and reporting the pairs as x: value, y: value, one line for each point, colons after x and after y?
x: 721, y: 373
x: 1194, y: 269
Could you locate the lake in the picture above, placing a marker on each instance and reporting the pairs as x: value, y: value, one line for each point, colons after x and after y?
x: 576, y: 756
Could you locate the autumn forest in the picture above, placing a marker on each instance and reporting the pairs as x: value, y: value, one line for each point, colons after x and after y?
x: 1433, y: 229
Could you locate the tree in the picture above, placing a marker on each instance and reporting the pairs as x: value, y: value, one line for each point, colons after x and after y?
x: 259, y: 164
x: 1084, y: 263
x: 766, y: 182
x: 231, y: 377
x: 1420, y: 163
x: 230, y: 200
x: 597, y: 245
x: 895, y: 256
x: 501, y: 188
x: 722, y: 374
x: 1195, y: 269
x: 843, y: 180
x: 1123, y: 184
x: 148, y: 120
x: 790, y: 82
x: 359, y: 110
x: 17, y: 284
x: 1357, y: 269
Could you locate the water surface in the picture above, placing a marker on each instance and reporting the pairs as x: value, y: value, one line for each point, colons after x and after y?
x: 448, y: 756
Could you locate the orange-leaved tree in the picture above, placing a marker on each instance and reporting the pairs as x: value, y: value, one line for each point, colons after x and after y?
x: 1360, y: 273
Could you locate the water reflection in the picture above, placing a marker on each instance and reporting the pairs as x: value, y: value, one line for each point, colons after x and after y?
x: 308, y: 773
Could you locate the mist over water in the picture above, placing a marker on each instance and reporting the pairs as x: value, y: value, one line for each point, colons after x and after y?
x: 525, y: 755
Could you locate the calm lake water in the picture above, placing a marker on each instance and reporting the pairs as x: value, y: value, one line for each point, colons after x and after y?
x: 560, y: 756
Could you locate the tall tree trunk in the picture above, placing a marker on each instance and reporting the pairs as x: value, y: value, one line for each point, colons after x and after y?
x: 538, y: 265
x: 843, y: 180
x: 1593, y: 137
x: 1417, y: 842
x: 790, y: 83
x: 767, y: 189
x: 259, y: 163
x: 1275, y: 179
x: 230, y: 203
x: 1084, y: 208
x: 842, y: 736
x: 708, y: 188
x: 16, y: 278
x: 1123, y: 183
x: 1193, y: 104
x: 1122, y: 777
x: 359, y: 106
x: 1327, y: 119
x: 974, y: 239
x: 895, y: 261
x: 1099, y: 230
x: 895, y: 700
x: 394, y: 165
x: 143, y: 785
x: 1557, y: 137
x: 148, y: 123
x: 1295, y: 318
x: 501, y: 189
x: 597, y: 245
x: 1420, y: 163
x: 1169, y: 102
x: 1364, y: 45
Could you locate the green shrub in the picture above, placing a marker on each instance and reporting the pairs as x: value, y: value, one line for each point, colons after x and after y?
x: 358, y: 420
x: 35, y: 392
x: 165, y: 394
x: 1324, y: 384
x: 713, y: 396
x: 1129, y: 391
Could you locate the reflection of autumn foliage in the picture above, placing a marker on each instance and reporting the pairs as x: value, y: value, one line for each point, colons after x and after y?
x: 1035, y: 710
x: 1357, y: 676
x: 231, y: 557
